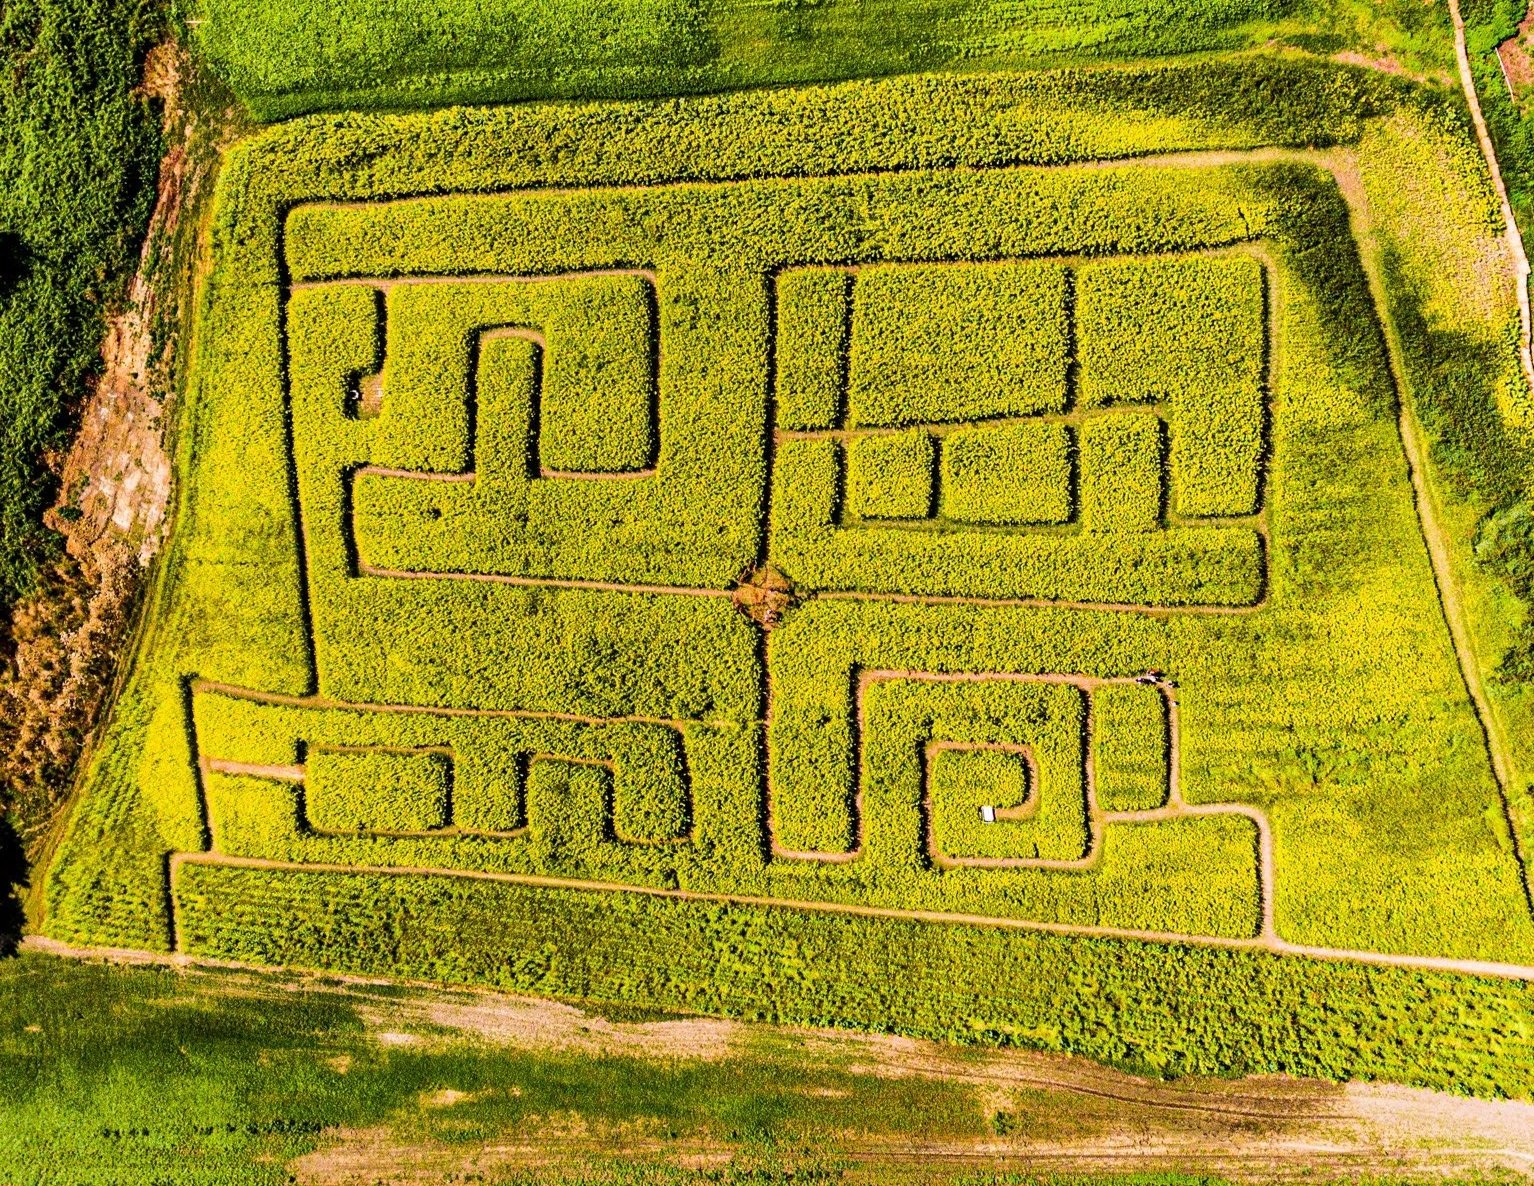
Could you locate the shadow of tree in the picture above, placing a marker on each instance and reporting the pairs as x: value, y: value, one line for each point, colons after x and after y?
x: 14, y: 261
x: 14, y: 878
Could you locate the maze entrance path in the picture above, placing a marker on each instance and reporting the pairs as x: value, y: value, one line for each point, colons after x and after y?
x: 1076, y: 610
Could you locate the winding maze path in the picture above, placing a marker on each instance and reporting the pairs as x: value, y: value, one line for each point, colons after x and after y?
x: 792, y: 453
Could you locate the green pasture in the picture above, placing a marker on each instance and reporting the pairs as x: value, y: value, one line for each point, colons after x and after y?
x: 151, y: 1076
x: 143, y: 1075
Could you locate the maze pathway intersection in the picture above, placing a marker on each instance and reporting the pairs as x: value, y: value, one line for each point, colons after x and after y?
x: 447, y: 568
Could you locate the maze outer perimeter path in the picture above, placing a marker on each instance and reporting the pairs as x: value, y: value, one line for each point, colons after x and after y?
x: 340, y: 454
x: 1176, y: 808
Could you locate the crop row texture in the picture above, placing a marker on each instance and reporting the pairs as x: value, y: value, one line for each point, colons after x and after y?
x: 362, y: 55
x: 1132, y: 758
x: 377, y: 790
x: 1174, y: 1010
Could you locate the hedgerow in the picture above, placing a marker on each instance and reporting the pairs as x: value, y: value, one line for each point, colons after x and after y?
x: 623, y: 730
x: 810, y: 347
x: 1123, y: 472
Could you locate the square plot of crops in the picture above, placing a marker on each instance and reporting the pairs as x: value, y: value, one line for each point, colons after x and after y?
x: 1089, y: 432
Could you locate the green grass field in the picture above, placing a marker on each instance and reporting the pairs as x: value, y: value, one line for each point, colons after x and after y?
x: 150, y: 1076
x: 290, y: 59
x: 145, y: 1076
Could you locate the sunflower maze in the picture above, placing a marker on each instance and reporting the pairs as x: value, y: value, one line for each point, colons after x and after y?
x: 938, y: 543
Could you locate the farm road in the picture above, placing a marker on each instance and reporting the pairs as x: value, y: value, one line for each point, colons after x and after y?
x: 1509, y: 222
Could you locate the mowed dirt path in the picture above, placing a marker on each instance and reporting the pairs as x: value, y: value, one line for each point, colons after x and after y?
x: 1509, y: 222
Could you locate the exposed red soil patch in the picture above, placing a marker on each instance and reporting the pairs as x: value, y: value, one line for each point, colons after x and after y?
x: 115, y: 481
x: 1517, y: 64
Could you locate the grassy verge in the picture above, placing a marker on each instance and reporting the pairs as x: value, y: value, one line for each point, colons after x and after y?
x: 146, y: 1075
x: 122, y: 1076
x: 1473, y: 407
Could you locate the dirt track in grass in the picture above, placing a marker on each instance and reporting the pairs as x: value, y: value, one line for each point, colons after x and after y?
x: 837, y: 1095
x: 1063, y: 1112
